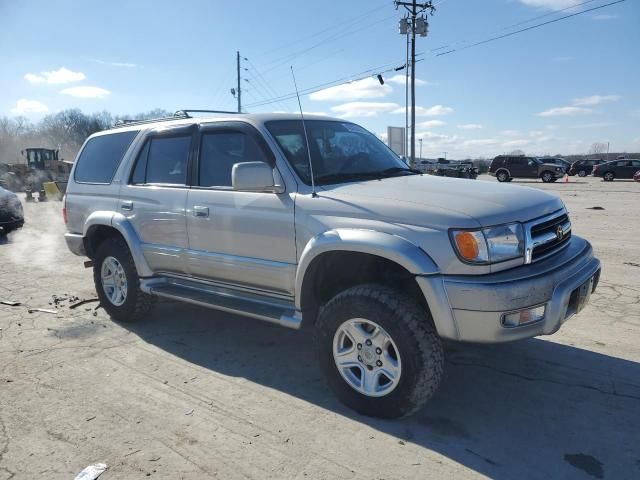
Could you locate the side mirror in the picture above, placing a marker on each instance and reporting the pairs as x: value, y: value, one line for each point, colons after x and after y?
x: 254, y: 177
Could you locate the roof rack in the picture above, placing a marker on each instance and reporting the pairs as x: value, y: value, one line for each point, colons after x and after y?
x: 179, y: 114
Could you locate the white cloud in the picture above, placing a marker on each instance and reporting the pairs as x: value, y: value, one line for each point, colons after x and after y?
x: 565, y: 111
x: 58, y: 77
x: 115, y: 64
x: 363, y: 109
x: 550, y: 4
x: 471, y: 126
x: 430, y: 124
x: 399, y: 79
x: 86, y: 92
x: 434, y: 111
x: 605, y: 17
x: 595, y: 100
x: 516, y: 143
x: 480, y: 142
x: 594, y: 125
x: 367, y: 88
x: 24, y: 106
x: 509, y: 133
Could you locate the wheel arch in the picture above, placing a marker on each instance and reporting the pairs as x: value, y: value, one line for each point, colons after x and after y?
x: 101, y: 225
x: 353, y: 256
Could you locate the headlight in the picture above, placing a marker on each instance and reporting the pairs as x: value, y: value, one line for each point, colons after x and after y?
x: 489, y: 245
x: 558, y: 169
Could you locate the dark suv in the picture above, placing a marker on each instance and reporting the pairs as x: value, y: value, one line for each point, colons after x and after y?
x: 585, y: 167
x: 616, y: 169
x: 507, y: 167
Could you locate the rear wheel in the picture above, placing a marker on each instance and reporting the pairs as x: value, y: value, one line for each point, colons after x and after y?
x: 502, y: 176
x: 379, y: 351
x: 608, y: 177
x: 547, y: 177
x: 117, y: 282
x: 582, y: 173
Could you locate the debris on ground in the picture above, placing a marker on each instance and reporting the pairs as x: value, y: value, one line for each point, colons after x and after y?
x: 10, y: 303
x: 92, y: 472
x: 595, y: 208
x: 43, y: 310
x: 190, y: 412
x: 633, y: 264
x: 83, y: 302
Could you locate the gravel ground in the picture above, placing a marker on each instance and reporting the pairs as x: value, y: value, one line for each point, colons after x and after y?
x: 193, y: 393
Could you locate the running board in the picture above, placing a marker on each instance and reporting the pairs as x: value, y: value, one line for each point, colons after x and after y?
x: 252, y: 305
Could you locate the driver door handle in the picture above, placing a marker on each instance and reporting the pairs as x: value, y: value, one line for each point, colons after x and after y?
x: 200, y: 211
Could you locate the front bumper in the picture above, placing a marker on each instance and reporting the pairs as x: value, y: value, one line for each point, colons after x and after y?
x: 470, y: 308
x: 11, y: 223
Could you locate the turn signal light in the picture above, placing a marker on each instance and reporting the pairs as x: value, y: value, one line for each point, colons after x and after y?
x: 467, y: 245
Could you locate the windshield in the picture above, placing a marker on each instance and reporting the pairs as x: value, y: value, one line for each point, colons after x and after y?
x: 340, y: 151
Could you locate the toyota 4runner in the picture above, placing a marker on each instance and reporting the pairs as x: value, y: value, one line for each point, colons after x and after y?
x: 318, y: 224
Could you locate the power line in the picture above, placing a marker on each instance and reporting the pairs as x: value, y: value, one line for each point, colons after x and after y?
x: 367, y: 73
x: 350, y: 21
x: 523, y: 22
x: 482, y: 42
x: 341, y: 81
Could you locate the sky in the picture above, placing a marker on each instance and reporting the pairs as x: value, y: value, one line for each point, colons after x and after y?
x: 554, y: 89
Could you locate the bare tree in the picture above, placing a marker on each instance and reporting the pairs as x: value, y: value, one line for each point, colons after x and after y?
x: 516, y: 152
x: 597, y: 147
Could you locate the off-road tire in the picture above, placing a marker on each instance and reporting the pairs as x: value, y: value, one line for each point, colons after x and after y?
x: 412, y: 330
x: 547, y: 176
x: 137, y: 303
x: 502, y: 176
x: 609, y: 177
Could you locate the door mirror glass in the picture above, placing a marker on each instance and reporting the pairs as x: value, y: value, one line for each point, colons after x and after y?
x: 254, y: 177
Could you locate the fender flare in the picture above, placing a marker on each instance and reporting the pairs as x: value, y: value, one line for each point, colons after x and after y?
x: 503, y: 168
x: 120, y: 223
x: 392, y: 247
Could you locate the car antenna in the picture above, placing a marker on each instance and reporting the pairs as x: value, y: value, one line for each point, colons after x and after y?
x: 306, y: 137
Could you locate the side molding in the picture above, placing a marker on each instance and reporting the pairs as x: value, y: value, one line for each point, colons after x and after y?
x: 385, y: 245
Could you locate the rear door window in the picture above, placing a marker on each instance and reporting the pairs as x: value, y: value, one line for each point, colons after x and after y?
x: 101, y: 157
x: 163, y: 160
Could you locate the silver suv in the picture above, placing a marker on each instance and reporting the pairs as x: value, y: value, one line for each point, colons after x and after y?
x: 318, y: 224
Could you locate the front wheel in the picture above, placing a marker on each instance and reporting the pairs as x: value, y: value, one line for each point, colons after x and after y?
x: 582, y: 173
x: 117, y: 282
x: 609, y: 176
x: 379, y: 351
x: 547, y: 177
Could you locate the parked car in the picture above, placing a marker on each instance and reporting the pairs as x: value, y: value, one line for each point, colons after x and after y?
x: 11, y: 213
x: 582, y: 168
x: 609, y: 171
x: 557, y: 161
x: 381, y: 263
x: 636, y: 176
x: 507, y: 167
x: 457, y: 170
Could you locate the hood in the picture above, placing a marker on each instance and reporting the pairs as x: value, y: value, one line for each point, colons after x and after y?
x: 487, y: 203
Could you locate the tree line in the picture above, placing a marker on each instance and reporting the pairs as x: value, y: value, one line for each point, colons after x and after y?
x: 65, y: 131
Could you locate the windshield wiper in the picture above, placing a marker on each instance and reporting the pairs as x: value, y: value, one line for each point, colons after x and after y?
x: 391, y: 170
x: 343, y: 177
x: 346, y: 176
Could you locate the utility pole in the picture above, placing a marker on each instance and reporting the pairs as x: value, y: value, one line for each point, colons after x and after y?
x: 413, y: 25
x: 239, y: 86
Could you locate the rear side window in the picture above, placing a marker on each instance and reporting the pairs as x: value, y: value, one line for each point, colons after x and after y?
x: 101, y: 156
x: 163, y: 160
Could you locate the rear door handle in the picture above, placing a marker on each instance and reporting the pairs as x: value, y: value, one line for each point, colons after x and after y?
x: 126, y: 205
x: 199, y: 211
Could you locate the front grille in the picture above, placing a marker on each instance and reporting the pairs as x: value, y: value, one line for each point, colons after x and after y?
x: 544, y: 236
